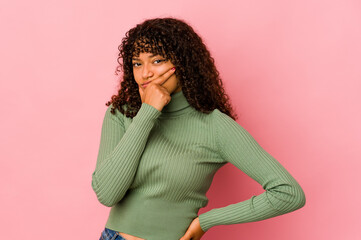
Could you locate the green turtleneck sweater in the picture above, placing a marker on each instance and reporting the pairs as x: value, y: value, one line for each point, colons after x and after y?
x: 154, y: 171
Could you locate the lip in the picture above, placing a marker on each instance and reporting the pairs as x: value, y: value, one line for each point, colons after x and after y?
x: 145, y: 84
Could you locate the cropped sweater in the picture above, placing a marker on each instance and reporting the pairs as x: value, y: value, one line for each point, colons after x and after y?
x: 154, y: 171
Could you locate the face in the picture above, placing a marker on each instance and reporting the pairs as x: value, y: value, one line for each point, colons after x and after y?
x: 148, y: 67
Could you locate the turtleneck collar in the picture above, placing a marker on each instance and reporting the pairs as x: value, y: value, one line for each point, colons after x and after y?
x: 178, y: 105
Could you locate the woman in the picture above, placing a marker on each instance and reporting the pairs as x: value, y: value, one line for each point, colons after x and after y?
x: 164, y: 136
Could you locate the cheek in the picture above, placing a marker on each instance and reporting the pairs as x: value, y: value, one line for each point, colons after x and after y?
x: 171, y: 82
x: 137, y: 77
x: 160, y: 70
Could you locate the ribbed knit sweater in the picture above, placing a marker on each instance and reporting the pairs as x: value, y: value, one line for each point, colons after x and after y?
x: 154, y: 171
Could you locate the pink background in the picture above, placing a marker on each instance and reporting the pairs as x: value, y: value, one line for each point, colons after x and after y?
x: 291, y: 68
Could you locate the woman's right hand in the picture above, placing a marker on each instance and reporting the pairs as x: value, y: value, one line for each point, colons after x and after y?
x: 155, y: 94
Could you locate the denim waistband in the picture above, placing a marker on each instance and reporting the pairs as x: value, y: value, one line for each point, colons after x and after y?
x: 109, y: 234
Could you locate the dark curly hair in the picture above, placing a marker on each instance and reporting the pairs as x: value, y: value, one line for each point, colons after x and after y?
x: 176, y: 41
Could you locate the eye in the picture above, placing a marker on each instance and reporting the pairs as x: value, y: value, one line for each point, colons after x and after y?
x: 135, y: 64
x: 159, y: 60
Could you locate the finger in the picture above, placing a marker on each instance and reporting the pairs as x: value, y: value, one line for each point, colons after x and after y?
x: 170, y: 71
x: 165, y: 76
x: 186, y: 236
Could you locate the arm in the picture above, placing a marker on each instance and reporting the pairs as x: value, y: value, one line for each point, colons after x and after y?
x: 282, y: 192
x: 119, y: 153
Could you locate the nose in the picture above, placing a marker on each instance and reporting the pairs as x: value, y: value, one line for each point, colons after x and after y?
x: 147, y: 72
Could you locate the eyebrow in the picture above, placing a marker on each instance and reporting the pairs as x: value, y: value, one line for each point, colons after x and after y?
x: 150, y: 56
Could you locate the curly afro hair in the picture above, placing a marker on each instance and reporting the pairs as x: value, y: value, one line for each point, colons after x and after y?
x: 177, y: 41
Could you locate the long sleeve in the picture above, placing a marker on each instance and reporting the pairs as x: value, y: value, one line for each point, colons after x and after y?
x: 282, y: 192
x: 119, y: 153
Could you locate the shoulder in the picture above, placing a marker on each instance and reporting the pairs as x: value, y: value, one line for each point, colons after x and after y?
x: 226, y: 125
x: 219, y: 120
x: 114, y: 113
x: 220, y: 117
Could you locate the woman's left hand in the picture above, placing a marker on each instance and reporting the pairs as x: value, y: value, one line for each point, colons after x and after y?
x: 194, y: 231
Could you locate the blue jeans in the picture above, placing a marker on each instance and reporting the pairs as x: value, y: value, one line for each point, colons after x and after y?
x: 109, y: 234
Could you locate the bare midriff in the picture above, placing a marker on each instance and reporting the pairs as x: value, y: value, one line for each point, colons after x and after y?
x: 130, y: 237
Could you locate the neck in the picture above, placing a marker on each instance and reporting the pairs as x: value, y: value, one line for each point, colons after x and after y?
x: 178, y: 105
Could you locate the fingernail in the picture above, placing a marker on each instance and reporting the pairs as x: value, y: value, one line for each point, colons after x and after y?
x: 173, y: 68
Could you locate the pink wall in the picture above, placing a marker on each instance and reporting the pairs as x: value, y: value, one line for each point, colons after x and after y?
x: 291, y: 68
